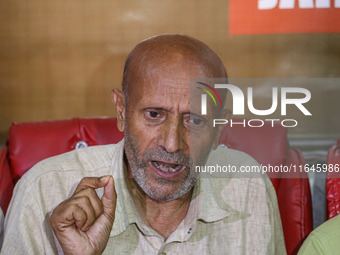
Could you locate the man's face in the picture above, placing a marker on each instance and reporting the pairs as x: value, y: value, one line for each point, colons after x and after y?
x: 157, y: 133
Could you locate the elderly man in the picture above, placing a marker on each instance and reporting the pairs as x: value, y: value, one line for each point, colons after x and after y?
x: 142, y: 195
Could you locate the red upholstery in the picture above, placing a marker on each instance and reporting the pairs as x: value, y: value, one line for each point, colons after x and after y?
x: 6, y: 183
x: 29, y: 143
x: 32, y: 142
x: 333, y: 182
x: 266, y: 144
x: 269, y: 145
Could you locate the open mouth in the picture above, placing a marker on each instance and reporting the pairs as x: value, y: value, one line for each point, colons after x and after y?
x: 167, y: 167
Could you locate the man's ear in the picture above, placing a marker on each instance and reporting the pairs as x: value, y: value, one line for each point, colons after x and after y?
x: 226, y: 114
x: 118, y: 100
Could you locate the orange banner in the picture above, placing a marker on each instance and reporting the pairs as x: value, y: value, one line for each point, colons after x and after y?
x: 284, y: 16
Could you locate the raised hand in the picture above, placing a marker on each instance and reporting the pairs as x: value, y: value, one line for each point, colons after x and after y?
x: 83, y: 222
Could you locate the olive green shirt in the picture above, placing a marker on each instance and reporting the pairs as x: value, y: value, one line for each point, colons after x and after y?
x: 225, y: 216
x: 325, y: 239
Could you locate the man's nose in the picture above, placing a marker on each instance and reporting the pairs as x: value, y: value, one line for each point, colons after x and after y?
x: 174, y: 136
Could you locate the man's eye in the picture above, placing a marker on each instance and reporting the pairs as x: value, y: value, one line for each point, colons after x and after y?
x: 153, y: 114
x: 196, y: 122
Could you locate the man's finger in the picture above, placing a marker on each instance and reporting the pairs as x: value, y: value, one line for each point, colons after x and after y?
x: 67, y: 216
x: 92, y: 182
x: 85, y: 204
x: 94, y: 199
x: 79, y: 216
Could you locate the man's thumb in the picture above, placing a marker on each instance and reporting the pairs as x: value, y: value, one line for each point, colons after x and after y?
x: 109, y: 198
x: 103, y: 224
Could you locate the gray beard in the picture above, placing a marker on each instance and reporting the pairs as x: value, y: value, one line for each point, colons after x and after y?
x: 139, y: 173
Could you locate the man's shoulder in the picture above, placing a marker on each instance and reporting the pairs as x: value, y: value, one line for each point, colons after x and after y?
x: 226, y: 156
x: 54, y: 179
x: 233, y: 164
x: 241, y: 195
x: 324, y: 239
x: 64, y: 171
x: 236, y: 173
x: 85, y: 159
x: 329, y: 231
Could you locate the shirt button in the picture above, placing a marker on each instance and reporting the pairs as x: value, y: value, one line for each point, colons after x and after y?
x: 189, y: 230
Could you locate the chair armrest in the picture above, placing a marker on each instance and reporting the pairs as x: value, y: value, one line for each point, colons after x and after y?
x: 333, y: 182
x: 6, y: 182
x: 295, y: 204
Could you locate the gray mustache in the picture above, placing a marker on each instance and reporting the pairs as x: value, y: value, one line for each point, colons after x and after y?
x: 162, y: 155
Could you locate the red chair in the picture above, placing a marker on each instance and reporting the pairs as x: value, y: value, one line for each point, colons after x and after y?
x: 28, y: 143
x: 333, y: 181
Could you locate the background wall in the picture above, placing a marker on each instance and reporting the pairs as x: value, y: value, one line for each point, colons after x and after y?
x: 60, y: 59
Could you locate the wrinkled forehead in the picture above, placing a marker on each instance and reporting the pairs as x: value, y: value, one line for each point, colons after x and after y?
x: 162, y: 90
x: 171, y: 74
x: 169, y: 86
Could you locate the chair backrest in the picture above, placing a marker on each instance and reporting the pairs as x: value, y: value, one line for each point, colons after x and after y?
x: 29, y: 143
x: 32, y: 142
x: 333, y: 181
x: 269, y: 145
